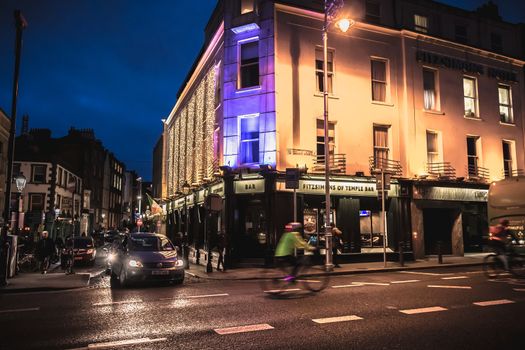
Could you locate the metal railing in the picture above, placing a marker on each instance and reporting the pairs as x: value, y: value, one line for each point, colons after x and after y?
x: 513, y: 173
x: 441, y: 170
x: 387, y: 165
x: 476, y: 172
x: 337, y: 164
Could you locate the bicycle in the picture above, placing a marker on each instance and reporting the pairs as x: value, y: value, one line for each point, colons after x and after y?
x: 27, y: 263
x: 310, y: 274
x: 494, y: 266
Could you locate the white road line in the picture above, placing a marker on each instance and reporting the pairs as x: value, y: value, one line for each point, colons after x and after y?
x: 337, y: 319
x: 121, y: 343
x: 282, y: 290
x: 372, y: 283
x: 425, y: 273
x: 423, y: 310
x: 347, y: 285
x: 519, y: 289
x: 405, y: 281
x: 243, y: 329
x: 118, y: 302
x: 207, y: 295
x: 454, y: 278
x: 450, y: 287
x: 20, y: 310
x: 494, y: 302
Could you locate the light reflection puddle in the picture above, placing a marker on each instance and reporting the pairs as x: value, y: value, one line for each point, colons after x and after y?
x: 124, y: 302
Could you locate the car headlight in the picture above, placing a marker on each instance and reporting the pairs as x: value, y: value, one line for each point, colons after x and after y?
x: 90, y: 251
x: 179, y: 262
x: 111, y: 257
x: 135, y: 263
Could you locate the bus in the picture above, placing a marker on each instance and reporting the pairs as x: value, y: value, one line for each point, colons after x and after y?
x: 506, y: 200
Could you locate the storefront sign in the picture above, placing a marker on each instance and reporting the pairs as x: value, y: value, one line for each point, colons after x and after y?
x: 249, y: 186
x: 466, y: 66
x: 218, y: 189
x: 344, y: 188
x: 451, y: 194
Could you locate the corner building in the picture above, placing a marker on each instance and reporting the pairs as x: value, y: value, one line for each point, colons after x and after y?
x: 432, y: 93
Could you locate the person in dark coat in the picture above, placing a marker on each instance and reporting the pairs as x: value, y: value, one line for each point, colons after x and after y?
x: 45, y: 249
x: 221, y: 247
x: 336, y: 244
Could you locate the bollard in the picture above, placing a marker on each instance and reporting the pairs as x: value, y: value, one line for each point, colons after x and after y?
x: 440, y: 254
x: 401, y: 257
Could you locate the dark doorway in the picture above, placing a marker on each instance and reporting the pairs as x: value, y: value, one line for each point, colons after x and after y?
x: 252, y: 238
x: 438, y: 225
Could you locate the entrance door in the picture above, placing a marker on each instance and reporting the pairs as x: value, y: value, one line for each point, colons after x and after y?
x: 253, y: 233
x: 438, y: 225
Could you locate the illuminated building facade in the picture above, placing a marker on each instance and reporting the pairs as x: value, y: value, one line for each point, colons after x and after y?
x: 431, y: 92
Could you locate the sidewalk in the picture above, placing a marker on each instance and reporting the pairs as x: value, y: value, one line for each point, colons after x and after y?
x: 253, y: 273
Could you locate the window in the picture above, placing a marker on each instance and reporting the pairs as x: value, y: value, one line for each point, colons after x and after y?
x: 507, y: 158
x: 432, y: 147
x: 36, y: 202
x: 249, y: 65
x: 249, y: 148
x: 461, y: 34
x: 247, y: 6
x: 320, y: 139
x: 470, y: 96
x: 472, y: 155
x: 505, y: 104
x: 496, y: 42
x: 379, y: 80
x: 58, y: 202
x: 372, y: 12
x: 38, y: 174
x: 59, y: 177
x: 421, y: 23
x: 429, y: 89
x: 319, y: 59
x: 381, y: 150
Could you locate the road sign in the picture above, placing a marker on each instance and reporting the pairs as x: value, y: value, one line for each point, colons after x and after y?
x: 379, y: 183
x: 292, y: 178
x: 139, y: 222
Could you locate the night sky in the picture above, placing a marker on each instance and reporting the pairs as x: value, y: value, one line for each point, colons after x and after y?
x: 114, y: 65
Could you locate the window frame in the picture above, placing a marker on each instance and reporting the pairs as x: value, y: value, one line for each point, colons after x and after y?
x: 475, y: 113
x: 437, y: 153
x: 246, y: 2
x: 240, y: 65
x: 386, y: 82
x: 331, y: 139
x: 420, y: 27
x: 33, y: 173
x: 252, y: 140
x: 437, y: 104
x: 319, y: 73
x: 377, y: 148
x: 508, y: 106
x: 31, y: 202
x: 476, y: 157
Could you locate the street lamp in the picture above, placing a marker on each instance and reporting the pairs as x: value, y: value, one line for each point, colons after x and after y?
x: 331, y: 8
x: 139, y: 197
x: 20, y: 181
x: 186, y: 188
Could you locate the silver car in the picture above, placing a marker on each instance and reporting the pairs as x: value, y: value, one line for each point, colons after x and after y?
x: 145, y: 257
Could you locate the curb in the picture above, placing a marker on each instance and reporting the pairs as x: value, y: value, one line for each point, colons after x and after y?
x: 342, y: 273
x: 5, y: 290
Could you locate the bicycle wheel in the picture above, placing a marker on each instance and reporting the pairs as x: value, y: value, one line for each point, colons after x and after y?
x: 493, y: 266
x: 517, y: 266
x: 314, y: 277
x: 275, y: 281
x: 28, y: 264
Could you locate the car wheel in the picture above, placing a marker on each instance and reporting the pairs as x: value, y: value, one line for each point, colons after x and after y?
x: 122, y: 278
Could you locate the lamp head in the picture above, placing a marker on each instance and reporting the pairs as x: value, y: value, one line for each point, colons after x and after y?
x: 20, y: 181
x: 344, y: 24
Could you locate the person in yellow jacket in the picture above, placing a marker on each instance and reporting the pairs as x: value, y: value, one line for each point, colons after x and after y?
x: 290, y: 240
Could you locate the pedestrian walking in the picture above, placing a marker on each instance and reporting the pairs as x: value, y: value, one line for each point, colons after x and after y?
x: 45, y: 249
x: 337, y: 243
x: 221, y: 246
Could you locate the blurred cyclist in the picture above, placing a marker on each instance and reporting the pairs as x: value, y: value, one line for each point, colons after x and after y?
x: 290, y: 240
x: 498, y: 240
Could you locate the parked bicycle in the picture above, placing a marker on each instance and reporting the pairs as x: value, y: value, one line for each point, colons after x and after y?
x: 494, y: 265
x: 27, y: 263
x: 310, y: 274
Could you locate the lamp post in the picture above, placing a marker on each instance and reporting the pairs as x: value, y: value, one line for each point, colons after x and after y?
x: 331, y: 8
x: 186, y: 188
x: 20, y: 181
x: 139, y: 197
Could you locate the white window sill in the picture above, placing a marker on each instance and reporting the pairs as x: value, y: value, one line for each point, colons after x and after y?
x: 473, y: 118
x: 507, y: 124
x: 332, y: 96
x: 248, y: 89
x: 387, y: 104
x: 433, y: 111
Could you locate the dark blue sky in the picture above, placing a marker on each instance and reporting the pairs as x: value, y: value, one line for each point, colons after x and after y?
x: 114, y: 65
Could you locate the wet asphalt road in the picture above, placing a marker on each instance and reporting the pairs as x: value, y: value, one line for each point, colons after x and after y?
x: 380, y: 311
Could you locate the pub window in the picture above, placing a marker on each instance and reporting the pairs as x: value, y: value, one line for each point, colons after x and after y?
x: 472, y: 155
x: 429, y: 89
x: 461, y: 34
x: 249, y: 64
x: 470, y: 96
x: 432, y: 147
x: 379, y: 80
x: 421, y: 23
x: 373, y: 12
x: 381, y: 149
x: 320, y: 139
x: 319, y: 59
x: 496, y: 42
x: 249, y: 143
x: 505, y: 104
x: 508, y: 159
x: 247, y: 6
x: 38, y: 173
x: 36, y: 202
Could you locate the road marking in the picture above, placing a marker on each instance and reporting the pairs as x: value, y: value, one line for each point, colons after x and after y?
x: 207, y: 295
x: 347, y: 285
x: 405, y: 281
x: 118, y: 302
x: 425, y: 273
x: 282, y: 290
x: 454, y: 278
x: 337, y: 319
x: 120, y: 343
x: 243, y: 329
x: 494, y: 302
x: 519, y: 289
x: 450, y: 287
x: 20, y: 310
x: 423, y: 310
x: 309, y: 281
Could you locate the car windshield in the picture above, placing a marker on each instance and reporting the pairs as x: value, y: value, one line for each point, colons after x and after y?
x: 150, y: 244
x: 81, y: 243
